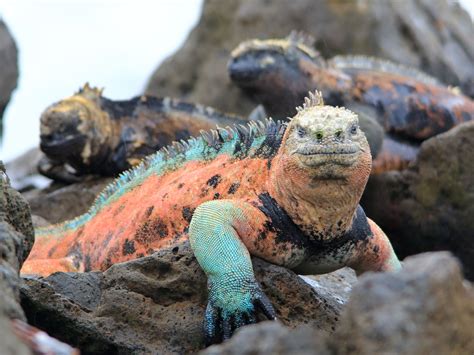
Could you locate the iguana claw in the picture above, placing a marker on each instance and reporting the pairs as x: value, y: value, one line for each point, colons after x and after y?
x: 221, y: 323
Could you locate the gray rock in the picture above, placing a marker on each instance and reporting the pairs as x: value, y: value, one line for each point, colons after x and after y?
x: 9, y: 65
x: 270, y: 338
x: 430, y: 206
x: 424, y: 309
x: 156, y: 304
x: 16, y: 239
x: 9, y: 343
x: 408, y: 32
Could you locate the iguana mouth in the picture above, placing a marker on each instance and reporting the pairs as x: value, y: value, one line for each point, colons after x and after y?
x: 318, y: 156
x: 60, y: 146
x: 315, y: 151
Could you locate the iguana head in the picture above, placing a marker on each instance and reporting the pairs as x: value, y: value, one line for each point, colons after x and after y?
x: 325, y: 143
x: 75, y: 127
x: 273, y: 72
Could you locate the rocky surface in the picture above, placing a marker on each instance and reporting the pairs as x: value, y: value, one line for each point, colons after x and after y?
x: 426, y: 308
x: 156, y: 304
x: 430, y: 206
x: 434, y: 36
x: 9, y: 65
x: 271, y: 338
x: 16, y: 239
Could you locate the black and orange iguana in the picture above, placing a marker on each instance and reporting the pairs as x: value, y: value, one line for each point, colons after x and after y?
x: 95, y: 135
x: 285, y: 192
x: 410, y: 105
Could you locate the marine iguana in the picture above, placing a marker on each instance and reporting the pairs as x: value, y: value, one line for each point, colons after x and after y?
x: 96, y: 135
x: 285, y: 192
x: 410, y: 105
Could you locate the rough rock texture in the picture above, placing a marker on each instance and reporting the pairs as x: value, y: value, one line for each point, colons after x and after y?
x: 431, y: 205
x: 432, y: 35
x: 9, y: 65
x: 16, y: 239
x: 271, y: 338
x: 424, y: 309
x: 60, y: 202
x: 156, y: 304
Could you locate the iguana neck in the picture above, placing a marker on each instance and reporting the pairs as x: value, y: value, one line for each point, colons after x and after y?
x: 322, y: 208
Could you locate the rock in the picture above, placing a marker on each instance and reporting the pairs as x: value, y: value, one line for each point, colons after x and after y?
x: 426, y: 308
x: 9, y: 65
x: 156, y: 304
x: 23, y: 173
x: 270, y: 338
x: 60, y: 202
x: 436, y: 37
x: 9, y: 343
x: 16, y: 239
x: 423, y: 309
x: 430, y: 206
x: 15, y: 218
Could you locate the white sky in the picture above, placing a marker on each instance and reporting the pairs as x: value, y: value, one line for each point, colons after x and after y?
x: 114, y: 44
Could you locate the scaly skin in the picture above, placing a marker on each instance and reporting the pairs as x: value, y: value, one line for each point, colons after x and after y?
x: 96, y: 135
x: 409, y: 105
x: 288, y: 194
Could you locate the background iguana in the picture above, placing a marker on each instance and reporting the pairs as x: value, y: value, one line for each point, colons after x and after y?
x: 410, y: 105
x: 96, y: 135
x: 287, y: 193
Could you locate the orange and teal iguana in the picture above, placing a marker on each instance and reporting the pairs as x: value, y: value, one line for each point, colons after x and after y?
x: 285, y: 192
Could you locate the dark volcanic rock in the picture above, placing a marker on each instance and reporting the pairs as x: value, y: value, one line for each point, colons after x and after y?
x: 60, y: 202
x: 9, y: 65
x: 271, y: 338
x: 16, y: 239
x: 156, y: 304
x: 430, y: 206
x: 423, y: 309
x: 426, y: 308
x: 435, y: 36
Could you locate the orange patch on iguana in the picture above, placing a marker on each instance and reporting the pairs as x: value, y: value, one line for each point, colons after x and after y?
x: 156, y: 213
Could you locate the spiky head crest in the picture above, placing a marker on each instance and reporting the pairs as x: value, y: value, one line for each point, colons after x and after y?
x: 312, y: 100
x: 301, y: 38
x: 86, y: 89
x: 296, y: 40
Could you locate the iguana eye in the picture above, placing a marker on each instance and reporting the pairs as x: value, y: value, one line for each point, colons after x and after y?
x: 301, y: 131
x: 354, y: 129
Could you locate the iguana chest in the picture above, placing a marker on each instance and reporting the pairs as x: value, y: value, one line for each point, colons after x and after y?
x: 156, y: 213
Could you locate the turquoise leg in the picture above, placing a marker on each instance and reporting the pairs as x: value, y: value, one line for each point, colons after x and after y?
x: 234, y: 294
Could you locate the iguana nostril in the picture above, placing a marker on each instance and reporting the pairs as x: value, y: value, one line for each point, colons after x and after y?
x: 319, y: 135
x: 338, y: 134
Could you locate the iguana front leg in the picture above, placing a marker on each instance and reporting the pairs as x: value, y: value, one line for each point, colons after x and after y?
x: 234, y: 293
x: 375, y: 253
